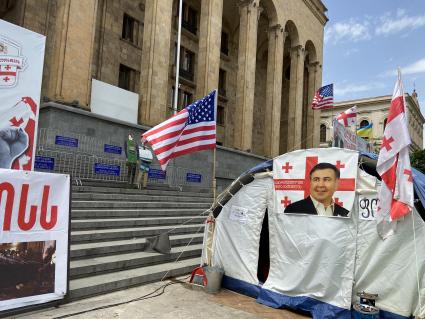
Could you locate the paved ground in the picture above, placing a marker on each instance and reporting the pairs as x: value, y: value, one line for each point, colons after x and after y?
x: 178, y: 301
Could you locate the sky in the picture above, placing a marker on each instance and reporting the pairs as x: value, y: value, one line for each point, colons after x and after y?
x: 367, y: 40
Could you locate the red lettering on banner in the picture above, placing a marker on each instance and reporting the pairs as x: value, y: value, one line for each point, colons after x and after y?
x: 7, y: 187
x: 53, y: 213
x: 23, y: 225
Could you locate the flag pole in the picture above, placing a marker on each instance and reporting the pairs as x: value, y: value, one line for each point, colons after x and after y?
x: 176, y: 89
x: 214, y: 181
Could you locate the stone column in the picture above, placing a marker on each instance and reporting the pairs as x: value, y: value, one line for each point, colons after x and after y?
x: 295, y: 98
x: 209, y: 47
x: 72, y: 49
x: 316, y: 114
x: 312, y: 130
x: 249, y: 12
x: 274, y: 91
x: 155, y: 61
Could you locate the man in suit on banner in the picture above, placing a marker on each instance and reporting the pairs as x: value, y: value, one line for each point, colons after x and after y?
x: 324, y: 178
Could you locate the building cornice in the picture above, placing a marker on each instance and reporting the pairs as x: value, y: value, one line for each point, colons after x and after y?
x: 318, y: 9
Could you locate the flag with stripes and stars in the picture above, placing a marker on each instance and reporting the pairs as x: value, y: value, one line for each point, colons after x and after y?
x: 192, y: 129
x: 324, y: 98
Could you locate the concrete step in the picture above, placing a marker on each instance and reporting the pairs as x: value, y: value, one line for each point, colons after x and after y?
x: 110, y: 213
x: 101, y: 284
x: 98, y: 265
x: 151, y: 185
x: 81, y: 236
x: 140, y: 197
x: 137, y: 204
x: 162, y: 191
x: 93, y: 249
x: 82, y: 224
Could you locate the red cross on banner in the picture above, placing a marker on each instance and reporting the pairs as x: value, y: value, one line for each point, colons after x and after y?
x: 339, y: 165
x: 303, y: 184
x: 338, y: 202
x: 409, y: 174
x: 344, y: 117
x: 386, y: 143
x: 287, y: 167
x: 285, y: 201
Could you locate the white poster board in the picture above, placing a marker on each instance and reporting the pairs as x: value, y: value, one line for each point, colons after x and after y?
x: 33, y: 237
x: 21, y: 69
x: 111, y: 101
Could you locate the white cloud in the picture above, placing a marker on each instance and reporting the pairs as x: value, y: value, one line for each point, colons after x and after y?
x: 413, y: 68
x: 347, y: 31
x: 348, y: 89
x: 400, y: 22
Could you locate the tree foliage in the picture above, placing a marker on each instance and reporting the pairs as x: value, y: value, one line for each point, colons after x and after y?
x: 417, y: 159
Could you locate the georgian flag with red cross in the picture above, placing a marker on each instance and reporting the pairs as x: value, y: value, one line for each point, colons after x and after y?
x: 291, y: 175
x: 396, y: 191
x: 348, y: 117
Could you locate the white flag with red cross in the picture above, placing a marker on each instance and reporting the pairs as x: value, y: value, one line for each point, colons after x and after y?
x: 291, y: 175
x: 396, y: 191
x: 348, y: 117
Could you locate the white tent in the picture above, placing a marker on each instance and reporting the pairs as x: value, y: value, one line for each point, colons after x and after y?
x: 317, y: 264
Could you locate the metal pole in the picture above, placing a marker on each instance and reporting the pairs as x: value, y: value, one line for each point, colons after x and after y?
x: 176, y: 90
x: 214, y: 181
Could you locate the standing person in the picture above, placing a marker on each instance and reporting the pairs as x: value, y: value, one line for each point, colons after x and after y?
x: 144, y: 161
x: 324, y: 178
x: 130, y: 151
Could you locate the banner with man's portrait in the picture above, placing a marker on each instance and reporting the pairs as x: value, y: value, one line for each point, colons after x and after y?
x: 316, y: 182
x: 21, y: 69
x: 33, y: 237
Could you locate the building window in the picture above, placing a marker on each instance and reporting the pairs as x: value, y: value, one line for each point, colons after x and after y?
x: 220, y: 115
x: 187, y: 99
x: 187, y: 63
x: 130, y: 29
x: 222, y: 82
x: 224, y: 48
x: 184, y: 99
x: 364, y: 123
x: 127, y: 78
x: 189, y: 18
x: 322, y: 133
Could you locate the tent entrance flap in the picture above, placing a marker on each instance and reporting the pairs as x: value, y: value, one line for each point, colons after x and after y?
x: 264, y: 251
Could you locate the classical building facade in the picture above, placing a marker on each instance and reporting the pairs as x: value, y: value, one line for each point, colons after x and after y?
x: 264, y: 56
x: 374, y: 110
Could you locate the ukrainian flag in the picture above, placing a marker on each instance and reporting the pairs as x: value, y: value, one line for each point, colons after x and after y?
x: 365, y: 131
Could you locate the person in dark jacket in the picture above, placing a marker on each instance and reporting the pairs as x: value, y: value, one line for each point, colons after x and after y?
x: 324, y: 178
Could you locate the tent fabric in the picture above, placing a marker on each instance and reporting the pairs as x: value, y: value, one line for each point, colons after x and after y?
x: 318, y: 264
x: 241, y: 219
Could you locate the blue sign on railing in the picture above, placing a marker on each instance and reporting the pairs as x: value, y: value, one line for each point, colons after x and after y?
x: 66, y: 141
x: 107, y: 148
x: 156, y: 174
x: 193, y: 178
x: 42, y: 162
x: 107, y: 169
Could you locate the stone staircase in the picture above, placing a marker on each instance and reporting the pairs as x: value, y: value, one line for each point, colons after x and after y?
x: 109, y: 227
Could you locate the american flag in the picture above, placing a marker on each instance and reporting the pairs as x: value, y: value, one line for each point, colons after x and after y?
x: 324, y: 98
x: 192, y: 129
